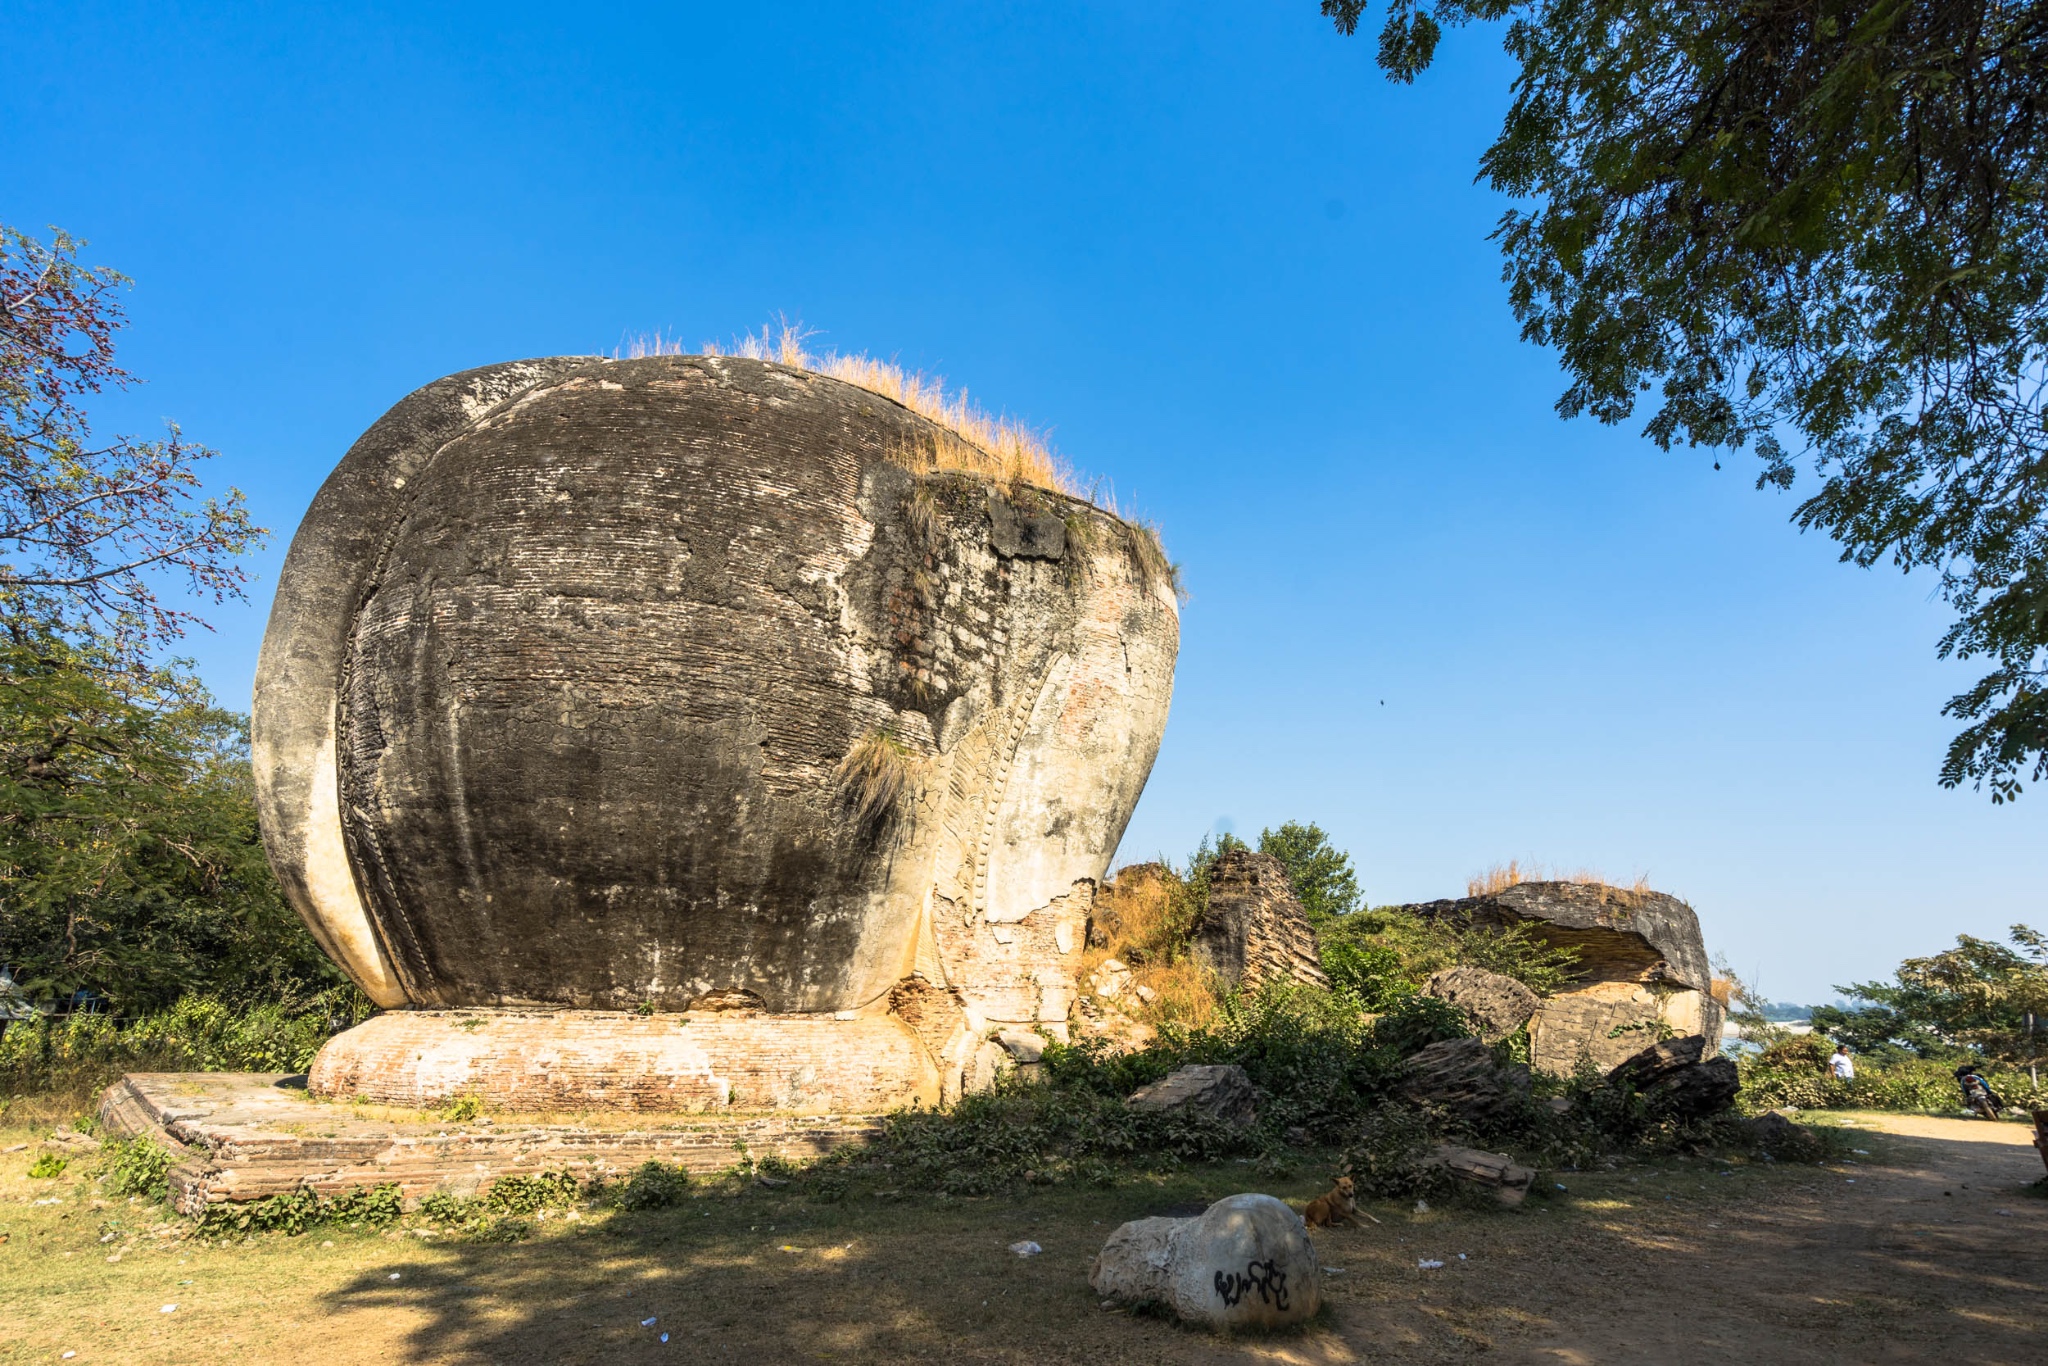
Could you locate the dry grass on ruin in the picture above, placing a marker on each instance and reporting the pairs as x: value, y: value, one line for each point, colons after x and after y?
x: 875, y: 774
x: 995, y: 447
x: 1142, y: 920
x: 1502, y: 876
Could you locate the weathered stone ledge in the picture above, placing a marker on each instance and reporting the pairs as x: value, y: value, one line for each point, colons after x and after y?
x: 239, y: 1136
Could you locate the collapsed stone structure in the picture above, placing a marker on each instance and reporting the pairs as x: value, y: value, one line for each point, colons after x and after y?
x: 1642, y: 967
x: 1253, y: 929
x: 690, y: 687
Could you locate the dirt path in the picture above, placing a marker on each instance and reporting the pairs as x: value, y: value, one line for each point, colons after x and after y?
x: 1926, y: 1249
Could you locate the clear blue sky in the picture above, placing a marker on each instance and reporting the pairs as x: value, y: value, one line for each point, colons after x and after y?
x: 1234, y: 271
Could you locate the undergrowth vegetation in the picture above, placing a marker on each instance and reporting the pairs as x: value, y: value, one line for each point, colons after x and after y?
x: 1795, y: 1073
x: 69, y: 1059
x: 1329, y: 1080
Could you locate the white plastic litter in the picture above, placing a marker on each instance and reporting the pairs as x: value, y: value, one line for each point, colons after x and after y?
x: 1425, y: 1264
x: 1559, y: 1184
x: 393, y: 1276
x: 1422, y: 1206
x: 67, y: 1356
x: 1027, y: 1248
x: 648, y: 1323
x: 168, y: 1309
x: 1461, y: 1256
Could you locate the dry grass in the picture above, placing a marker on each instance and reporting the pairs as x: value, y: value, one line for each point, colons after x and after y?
x: 995, y: 447
x: 875, y: 774
x: 1502, y: 876
x: 971, y: 440
x: 1143, y: 919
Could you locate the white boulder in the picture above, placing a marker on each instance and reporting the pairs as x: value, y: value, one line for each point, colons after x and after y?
x: 1245, y: 1262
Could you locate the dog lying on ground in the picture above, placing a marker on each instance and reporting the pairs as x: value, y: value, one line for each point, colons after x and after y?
x: 1335, y: 1206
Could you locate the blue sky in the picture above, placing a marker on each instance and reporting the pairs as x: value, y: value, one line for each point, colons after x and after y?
x: 1236, y: 273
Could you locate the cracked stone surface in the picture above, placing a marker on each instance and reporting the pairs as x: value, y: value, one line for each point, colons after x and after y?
x: 568, y: 655
x: 1642, y: 967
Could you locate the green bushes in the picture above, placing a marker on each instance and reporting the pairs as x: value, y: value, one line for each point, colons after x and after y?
x: 1794, y: 1073
x: 295, y: 1211
x: 1320, y: 1065
x: 1386, y: 1157
x: 80, y: 1054
x: 653, y: 1185
x: 135, y: 1166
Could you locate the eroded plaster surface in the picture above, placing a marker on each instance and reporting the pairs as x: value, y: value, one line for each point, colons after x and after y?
x: 568, y: 658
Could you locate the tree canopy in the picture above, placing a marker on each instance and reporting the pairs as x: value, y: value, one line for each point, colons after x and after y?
x: 130, y: 862
x: 1320, y: 873
x: 89, y: 529
x: 1818, y: 229
x: 1980, y: 995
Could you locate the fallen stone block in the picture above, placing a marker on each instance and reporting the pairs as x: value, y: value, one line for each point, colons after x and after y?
x: 1677, y: 1078
x: 1460, y: 1077
x: 1508, y: 1179
x: 1245, y: 1262
x: 1496, y: 1005
x: 1222, y: 1090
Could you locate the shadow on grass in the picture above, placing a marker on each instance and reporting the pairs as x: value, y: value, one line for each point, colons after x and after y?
x: 766, y: 1277
x: 1665, y: 1259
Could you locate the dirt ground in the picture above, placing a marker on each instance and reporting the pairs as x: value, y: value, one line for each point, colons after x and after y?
x: 1927, y: 1248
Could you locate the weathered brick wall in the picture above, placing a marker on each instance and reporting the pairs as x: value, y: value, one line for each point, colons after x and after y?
x: 580, y: 1059
x: 239, y: 1136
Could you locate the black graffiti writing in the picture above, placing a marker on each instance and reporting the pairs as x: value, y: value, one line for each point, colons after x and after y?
x: 1265, y: 1277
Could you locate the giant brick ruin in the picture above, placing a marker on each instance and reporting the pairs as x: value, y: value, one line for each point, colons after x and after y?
x: 678, y: 734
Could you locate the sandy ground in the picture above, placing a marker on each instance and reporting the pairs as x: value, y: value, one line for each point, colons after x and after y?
x: 1928, y: 1248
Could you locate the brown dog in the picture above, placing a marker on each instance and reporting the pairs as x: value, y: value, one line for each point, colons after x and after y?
x: 1335, y: 1207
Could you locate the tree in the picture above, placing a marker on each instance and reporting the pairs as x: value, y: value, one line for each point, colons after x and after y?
x: 88, y: 531
x: 1818, y: 228
x: 1321, y: 874
x: 130, y: 862
x: 1981, y: 996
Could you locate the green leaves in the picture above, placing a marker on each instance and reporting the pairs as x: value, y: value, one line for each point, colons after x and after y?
x: 1820, y: 230
x: 130, y: 861
x: 1321, y: 874
x: 1978, y: 998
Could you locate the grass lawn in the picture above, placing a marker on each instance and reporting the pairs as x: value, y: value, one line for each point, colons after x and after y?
x: 748, y: 1274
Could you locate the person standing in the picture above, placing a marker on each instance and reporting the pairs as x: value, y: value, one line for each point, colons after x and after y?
x: 1841, y: 1064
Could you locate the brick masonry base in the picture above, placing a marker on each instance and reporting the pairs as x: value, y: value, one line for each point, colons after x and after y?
x: 237, y: 1136
x: 706, y: 1061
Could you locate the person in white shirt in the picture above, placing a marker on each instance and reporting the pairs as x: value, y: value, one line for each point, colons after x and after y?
x: 1841, y: 1064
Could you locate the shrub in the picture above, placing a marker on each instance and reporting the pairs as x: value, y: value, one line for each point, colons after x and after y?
x: 297, y: 1210
x: 653, y: 1185
x: 135, y: 1166
x: 1387, y: 1157
x: 1782, y: 1076
x: 48, y: 1166
x: 82, y: 1054
x: 1391, y: 953
x: 460, y: 1109
x: 530, y: 1193
x: 373, y: 1205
